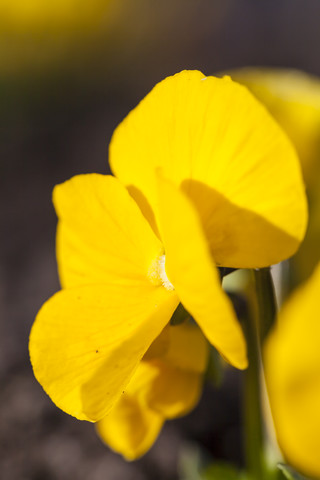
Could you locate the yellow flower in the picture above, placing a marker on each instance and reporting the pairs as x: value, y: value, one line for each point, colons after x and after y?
x: 164, y: 386
x: 89, y: 338
x: 292, y: 366
x: 207, y: 167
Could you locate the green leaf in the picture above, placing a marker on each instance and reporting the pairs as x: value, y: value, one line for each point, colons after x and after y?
x: 289, y: 473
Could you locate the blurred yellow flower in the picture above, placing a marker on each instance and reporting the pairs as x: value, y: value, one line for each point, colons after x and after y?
x: 292, y: 366
x: 37, y: 35
x: 207, y: 167
x: 36, y: 15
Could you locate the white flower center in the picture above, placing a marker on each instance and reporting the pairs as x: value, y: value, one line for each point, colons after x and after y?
x: 158, y: 273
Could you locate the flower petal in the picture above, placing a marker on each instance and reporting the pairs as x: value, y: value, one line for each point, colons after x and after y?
x: 191, y: 270
x: 212, y: 135
x: 102, y: 235
x: 160, y: 389
x: 293, y: 98
x: 172, y: 384
x: 86, y: 342
x: 292, y: 368
x: 188, y: 348
x: 130, y: 428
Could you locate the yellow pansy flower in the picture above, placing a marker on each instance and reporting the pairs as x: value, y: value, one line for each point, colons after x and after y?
x: 89, y: 338
x: 163, y: 387
x: 202, y: 162
x: 292, y: 366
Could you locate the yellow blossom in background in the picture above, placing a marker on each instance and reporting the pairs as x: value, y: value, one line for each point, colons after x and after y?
x: 40, y: 34
x: 36, y: 15
x: 205, y: 178
x: 292, y: 367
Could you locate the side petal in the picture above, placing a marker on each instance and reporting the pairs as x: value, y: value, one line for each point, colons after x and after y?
x: 130, y: 428
x: 102, y: 234
x: 212, y: 132
x: 292, y: 368
x: 190, y: 268
x: 87, y: 341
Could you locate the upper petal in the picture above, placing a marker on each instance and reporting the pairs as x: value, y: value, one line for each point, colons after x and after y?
x: 213, y: 133
x: 292, y: 368
x: 102, y: 235
x: 87, y: 341
x: 191, y: 270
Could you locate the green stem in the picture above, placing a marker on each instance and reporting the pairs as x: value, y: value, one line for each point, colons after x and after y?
x: 258, y: 322
x: 252, y: 405
x: 179, y: 316
x: 267, y: 306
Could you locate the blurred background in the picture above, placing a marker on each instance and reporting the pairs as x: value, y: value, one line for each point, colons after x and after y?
x: 69, y: 72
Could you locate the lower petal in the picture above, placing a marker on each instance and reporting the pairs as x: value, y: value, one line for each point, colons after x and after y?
x: 130, y: 428
x: 172, y: 383
x: 168, y: 390
x: 86, y: 343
